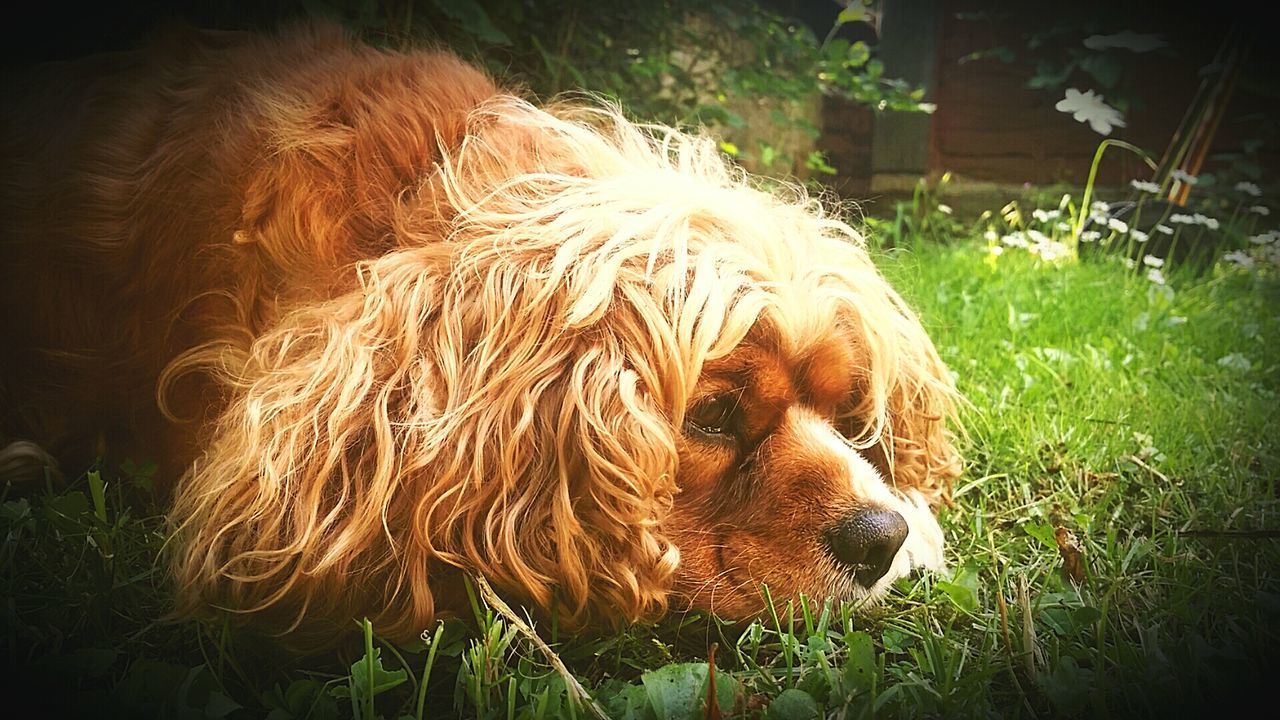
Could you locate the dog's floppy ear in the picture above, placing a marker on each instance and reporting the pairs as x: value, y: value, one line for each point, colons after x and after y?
x: 909, y: 400
x: 296, y: 507
x: 434, y: 417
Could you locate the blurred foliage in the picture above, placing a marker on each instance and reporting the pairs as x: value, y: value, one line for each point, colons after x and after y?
x: 746, y: 71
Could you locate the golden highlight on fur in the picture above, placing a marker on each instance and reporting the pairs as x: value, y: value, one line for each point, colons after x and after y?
x: 405, y: 326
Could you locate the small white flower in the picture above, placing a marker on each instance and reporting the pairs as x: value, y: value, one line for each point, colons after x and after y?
x: 1249, y: 188
x: 996, y: 250
x: 1152, y: 261
x: 944, y: 209
x: 1206, y: 221
x: 1155, y: 276
x: 927, y: 108
x: 1118, y: 225
x: 1144, y: 186
x: 1262, y: 210
x: 1181, y: 218
x: 1270, y: 253
x: 1050, y: 250
x: 1265, y: 238
x: 1183, y: 177
x: 1237, y: 257
x: 1062, y: 227
x: 990, y: 236
x: 1129, y: 263
x: 1037, y: 236
x: 1089, y: 107
x: 1090, y: 236
x: 1165, y: 229
x: 1045, y: 216
x: 1127, y: 40
x: 1138, y: 235
x: 1235, y: 361
x: 1015, y: 239
x: 1098, y: 206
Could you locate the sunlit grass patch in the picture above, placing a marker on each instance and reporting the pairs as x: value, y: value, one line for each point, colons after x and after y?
x: 1113, y: 548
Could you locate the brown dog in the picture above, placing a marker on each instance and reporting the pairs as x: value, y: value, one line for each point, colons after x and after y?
x: 389, y: 324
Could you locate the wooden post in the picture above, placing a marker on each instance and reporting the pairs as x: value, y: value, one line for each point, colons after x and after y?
x: 908, y: 47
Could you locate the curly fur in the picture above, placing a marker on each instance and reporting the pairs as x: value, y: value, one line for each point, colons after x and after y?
x: 403, y: 325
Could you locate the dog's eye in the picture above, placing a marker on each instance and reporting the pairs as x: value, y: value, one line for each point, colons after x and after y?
x: 713, y: 416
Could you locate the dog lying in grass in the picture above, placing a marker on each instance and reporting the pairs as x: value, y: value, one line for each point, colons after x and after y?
x: 387, y: 324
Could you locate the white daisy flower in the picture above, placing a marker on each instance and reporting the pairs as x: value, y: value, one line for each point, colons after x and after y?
x: 1089, y: 107
x: 1144, y: 186
x: 1015, y: 239
x: 1184, y: 177
x: 1155, y: 276
x: 1206, y: 221
x: 1265, y: 238
x: 1249, y: 188
x: 990, y: 236
x: 1138, y: 235
x: 1164, y: 229
x: 1236, y: 257
x: 1152, y: 261
x: 1181, y: 218
x: 944, y: 209
x: 996, y: 250
x: 1118, y: 225
x: 1090, y: 236
x: 1262, y: 210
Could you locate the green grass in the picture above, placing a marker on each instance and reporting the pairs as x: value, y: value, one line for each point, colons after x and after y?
x: 1140, y: 419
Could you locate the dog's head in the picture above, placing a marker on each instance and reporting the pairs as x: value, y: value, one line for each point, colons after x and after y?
x: 603, y: 369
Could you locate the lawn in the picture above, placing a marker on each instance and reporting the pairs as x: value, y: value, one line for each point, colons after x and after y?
x: 1113, y: 548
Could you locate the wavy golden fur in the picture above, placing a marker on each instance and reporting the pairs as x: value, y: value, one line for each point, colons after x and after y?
x: 392, y: 325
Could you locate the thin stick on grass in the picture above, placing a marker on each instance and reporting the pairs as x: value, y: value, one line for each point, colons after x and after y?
x: 575, y: 688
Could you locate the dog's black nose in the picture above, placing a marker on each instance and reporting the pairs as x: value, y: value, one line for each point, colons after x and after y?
x: 867, y: 541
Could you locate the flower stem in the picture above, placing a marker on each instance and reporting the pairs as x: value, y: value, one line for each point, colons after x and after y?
x: 1093, y: 174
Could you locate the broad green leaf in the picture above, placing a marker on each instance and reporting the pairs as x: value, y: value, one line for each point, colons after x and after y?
x: 793, y: 704
x: 860, y: 668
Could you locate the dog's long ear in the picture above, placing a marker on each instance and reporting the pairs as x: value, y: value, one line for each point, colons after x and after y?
x: 298, y: 505
x: 432, y: 418
x: 907, y: 403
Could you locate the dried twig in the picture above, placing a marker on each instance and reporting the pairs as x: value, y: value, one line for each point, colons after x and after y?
x: 575, y: 688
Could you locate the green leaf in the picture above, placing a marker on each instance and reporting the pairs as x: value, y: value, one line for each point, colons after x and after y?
x: 623, y: 700
x: 853, y: 12
x: 67, y: 512
x: 98, y: 490
x: 963, y: 587
x: 361, y: 672
x: 474, y: 20
x: 1068, y: 686
x: 860, y: 668
x: 793, y: 704
x: 678, y: 691
x: 1043, y: 533
x: 219, y: 705
x: 1106, y: 69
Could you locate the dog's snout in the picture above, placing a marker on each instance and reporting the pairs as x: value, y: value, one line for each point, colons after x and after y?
x: 866, y: 542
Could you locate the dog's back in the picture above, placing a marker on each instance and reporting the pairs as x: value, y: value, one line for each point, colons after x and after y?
x: 158, y: 200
